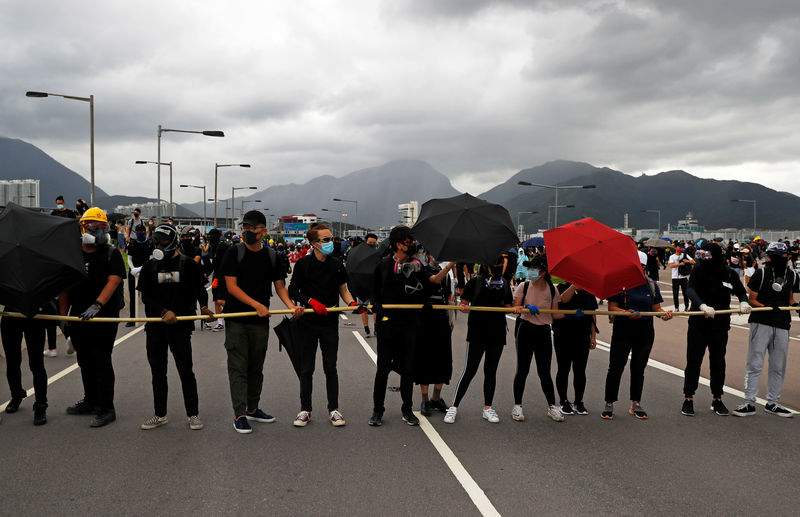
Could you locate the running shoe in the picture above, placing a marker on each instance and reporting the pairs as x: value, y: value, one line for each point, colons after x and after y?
x: 13, y: 404
x: 376, y: 420
x: 50, y: 353
x: 554, y: 413
x: 259, y: 416
x: 302, y: 419
x: 241, y: 425
x: 777, y: 409
x: 491, y: 415
x: 70, y: 348
x: 745, y: 410
x: 579, y: 408
x: 637, y: 411
x: 218, y: 327
x: 410, y: 418
x: 207, y: 326
x: 450, y: 415
x: 195, y: 424
x: 153, y: 422
x: 425, y: 409
x: 719, y: 408
x: 608, y: 411
x: 566, y: 408
x: 688, y: 407
x: 439, y: 405
x: 336, y: 418
x: 39, y: 414
x: 517, y: 414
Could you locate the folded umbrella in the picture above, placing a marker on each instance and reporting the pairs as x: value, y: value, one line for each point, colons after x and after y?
x: 288, y: 337
x: 464, y: 229
x: 594, y: 257
x: 360, y: 267
x: 40, y: 257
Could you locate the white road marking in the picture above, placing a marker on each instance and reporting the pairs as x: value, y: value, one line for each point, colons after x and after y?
x: 343, y: 317
x: 474, y: 491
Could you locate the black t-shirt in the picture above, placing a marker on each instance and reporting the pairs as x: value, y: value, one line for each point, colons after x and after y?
x: 395, y: 288
x: 714, y: 289
x: 175, y: 284
x: 770, y: 297
x: 254, y: 275
x: 99, y: 266
x: 439, y: 294
x: 580, y: 300
x: 190, y: 251
x: 69, y: 214
x: 487, y: 327
x: 319, y: 280
x: 139, y: 252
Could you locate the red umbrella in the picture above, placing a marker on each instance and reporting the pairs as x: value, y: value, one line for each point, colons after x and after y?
x: 594, y: 257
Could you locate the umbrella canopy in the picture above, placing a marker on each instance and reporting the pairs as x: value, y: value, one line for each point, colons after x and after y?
x: 360, y: 267
x: 533, y: 241
x: 464, y: 229
x: 288, y: 337
x: 116, y: 216
x: 594, y: 257
x: 657, y: 243
x: 40, y: 256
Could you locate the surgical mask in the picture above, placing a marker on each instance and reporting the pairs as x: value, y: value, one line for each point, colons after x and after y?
x: 533, y: 274
x: 249, y: 237
x: 326, y: 248
x: 422, y: 258
x: 60, y: 206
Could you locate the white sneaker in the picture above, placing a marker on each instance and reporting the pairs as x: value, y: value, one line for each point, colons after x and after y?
x: 195, y: 424
x: 554, y: 412
x: 491, y: 415
x: 302, y: 418
x: 517, y: 414
x: 50, y: 353
x: 337, y: 420
x: 450, y: 416
x: 153, y: 422
x: 70, y: 348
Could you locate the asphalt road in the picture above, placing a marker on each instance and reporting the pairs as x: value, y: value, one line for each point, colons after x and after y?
x: 667, y: 465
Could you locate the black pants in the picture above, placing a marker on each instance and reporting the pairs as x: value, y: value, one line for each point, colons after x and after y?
x: 534, y: 340
x: 132, y: 294
x: 178, y: 339
x: 395, y: 352
x: 11, y: 331
x: 476, y: 351
x: 51, y: 327
x: 677, y: 285
x: 327, y: 336
x: 706, y: 333
x: 93, y: 343
x: 629, y: 337
x: 571, y: 342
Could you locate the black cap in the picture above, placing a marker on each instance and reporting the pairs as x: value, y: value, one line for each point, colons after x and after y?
x: 539, y: 261
x: 254, y: 218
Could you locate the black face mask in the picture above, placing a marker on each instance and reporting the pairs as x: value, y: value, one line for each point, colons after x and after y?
x: 186, y: 245
x: 412, y: 250
x: 778, y: 264
x: 249, y: 237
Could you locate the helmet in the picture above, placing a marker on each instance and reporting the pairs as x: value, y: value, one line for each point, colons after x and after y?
x: 165, y: 237
x: 94, y: 214
x: 187, y: 231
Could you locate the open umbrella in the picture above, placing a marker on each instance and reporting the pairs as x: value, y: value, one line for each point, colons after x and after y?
x: 288, y: 337
x: 360, y: 267
x: 116, y: 216
x: 657, y: 243
x: 464, y: 229
x: 40, y: 256
x: 532, y: 242
x: 594, y: 257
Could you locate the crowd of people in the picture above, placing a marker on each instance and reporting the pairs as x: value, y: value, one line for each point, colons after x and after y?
x: 171, y: 269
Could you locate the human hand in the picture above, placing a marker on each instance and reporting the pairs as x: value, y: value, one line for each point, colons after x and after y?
x: 91, y: 312
x: 744, y: 308
x: 298, y: 311
x: 358, y: 307
x: 262, y: 311
x: 532, y: 309
x: 633, y: 314
x: 579, y: 313
x: 592, y: 343
x: 464, y: 307
x: 205, y: 311
x: 667, y: 316
x: 318, y: 307
x: 169, y: 317
x: 708, y: 310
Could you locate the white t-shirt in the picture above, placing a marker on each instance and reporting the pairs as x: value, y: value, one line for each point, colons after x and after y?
x: 675, y: 259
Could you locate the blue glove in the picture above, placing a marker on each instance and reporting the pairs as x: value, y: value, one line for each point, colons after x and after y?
x: 579, y: 313
x: 533, y: 309
x: 91, y: 312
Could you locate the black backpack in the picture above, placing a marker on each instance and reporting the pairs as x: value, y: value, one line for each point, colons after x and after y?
x: 684, y: 269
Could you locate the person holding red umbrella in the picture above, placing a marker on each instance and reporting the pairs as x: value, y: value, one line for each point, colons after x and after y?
x: 632, y: 335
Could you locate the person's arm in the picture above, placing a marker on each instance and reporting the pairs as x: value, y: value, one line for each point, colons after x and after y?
x: 439, y: 277
x: 63, y: 303
x: 657, y: 308
x: 567, y: 295
x: 283, y: 294
x: 593, y: 333
x: 673, y: 264
x: 344, y: 293
x: 554, y: 303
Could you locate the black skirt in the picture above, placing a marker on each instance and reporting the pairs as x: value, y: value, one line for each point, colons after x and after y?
x: 433, y: 354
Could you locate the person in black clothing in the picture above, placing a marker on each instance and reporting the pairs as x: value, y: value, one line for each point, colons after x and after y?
x: 574, y: 336
x: 139, y: 251
x: 711, y: 285
x: 218, y: 291
x: 318, y: 282
x: 398, y: 279
x: 11, y: 331
x: 99, y: 295
x: 170, y: 287
x: 188, y: 247
x: 60, y: 211
x: 653, y: 264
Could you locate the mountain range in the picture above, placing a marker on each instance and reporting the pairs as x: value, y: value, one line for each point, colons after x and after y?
x: 378, y: 191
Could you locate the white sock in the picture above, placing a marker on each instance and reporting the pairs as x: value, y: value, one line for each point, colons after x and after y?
x: 219, y: 321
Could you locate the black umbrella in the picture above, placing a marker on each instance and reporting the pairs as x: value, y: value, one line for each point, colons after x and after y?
x: 116, y: 216
x: 361, y: 262
x: 464, y: 229
x: 40, y: 256
x: 288, y: 336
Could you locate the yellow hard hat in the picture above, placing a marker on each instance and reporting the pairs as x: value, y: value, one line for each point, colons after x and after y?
x: 94, y: 214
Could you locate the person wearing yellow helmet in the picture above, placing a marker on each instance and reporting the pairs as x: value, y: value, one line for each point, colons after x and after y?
x: 99, y: 295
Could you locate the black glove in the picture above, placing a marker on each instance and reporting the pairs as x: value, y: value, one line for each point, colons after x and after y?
x: 377, y: 308
x: 776, y: 307
x: 91, y: 312
x: 427, y: 307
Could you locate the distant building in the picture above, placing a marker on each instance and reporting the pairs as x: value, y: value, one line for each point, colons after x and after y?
x: 407, y: 213
x: 149, y: 210
x: 687, y: 228
x: 294, y: 227
x: 21, y: 192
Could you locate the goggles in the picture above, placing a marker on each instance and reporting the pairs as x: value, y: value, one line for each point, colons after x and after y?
x: 702, y: 255
x: 91, y: 226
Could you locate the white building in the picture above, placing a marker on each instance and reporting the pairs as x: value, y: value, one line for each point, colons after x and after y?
x: 149, y: 210
x: 407, y: 213
x: 21, y: 192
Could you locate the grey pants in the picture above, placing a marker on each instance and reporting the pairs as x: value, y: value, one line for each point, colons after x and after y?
x: 765, y: 338
x: 246, y: 344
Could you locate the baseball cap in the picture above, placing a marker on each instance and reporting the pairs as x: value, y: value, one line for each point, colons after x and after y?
x: 254, y: 218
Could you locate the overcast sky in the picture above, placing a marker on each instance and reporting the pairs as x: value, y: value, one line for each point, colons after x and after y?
x: 478, y: 89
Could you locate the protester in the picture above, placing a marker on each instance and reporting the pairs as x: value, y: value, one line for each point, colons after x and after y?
x: 139, y: 250
x: 132, y: 224
x: 680, y: 265
x: 171, y: 284
x: 370, y: 240
x: 397, y: 279
x: 80, y: 207
x: 486, y: 336
x: 218, y: 290
x: 773, y: 286
x: 12, y: 330
x: 533, y: 335
x: 60, y: 211
x: 711, y: 285
x: 632, y: 335
x: 99, y: 295
x: 249, y: 270
x: 319, y: 280
x: 187, y: 247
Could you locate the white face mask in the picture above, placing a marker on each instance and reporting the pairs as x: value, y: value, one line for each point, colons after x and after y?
x: 533, y: 274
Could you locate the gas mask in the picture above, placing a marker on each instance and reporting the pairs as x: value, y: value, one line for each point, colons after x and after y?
x: 95, y: 238
x: 407, y: 268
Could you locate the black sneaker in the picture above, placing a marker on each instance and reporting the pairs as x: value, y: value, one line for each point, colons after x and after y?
x: 81, y: 408
x: 579, y: 408
x: 259, y: 416
x: 376, y: 420
x: 39, y: 414
x: 13, y: 404
x: 719, y: 408
x: 777, y: 409
x: 410, y: 418
x: 366, y: 330
x: 104, y: 417
x: 608, y: 411
x: 745, y: 410
x: 688, y: 407
x: 425, y: 409
x: 439, y: 405
x: 566, y: 408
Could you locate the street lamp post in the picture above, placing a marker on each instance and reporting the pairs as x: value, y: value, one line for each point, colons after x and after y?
x: 216, y: 171
x: 754, y: 209
x: 158, y: 161
x: 556, y: 188
x: 90, y: 100
x: 348, y: 201
x: 226, y: 209
x: 158, y: 200
x: 519, y: 233
x: 555, y: 210
x: 333, y: 222
x: 205, y: 221
x: 659, y: 219
x: 241, y: 210
x: 233, y: 201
